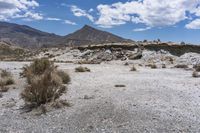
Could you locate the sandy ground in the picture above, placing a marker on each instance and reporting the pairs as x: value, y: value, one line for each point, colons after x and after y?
x: 154, y: 100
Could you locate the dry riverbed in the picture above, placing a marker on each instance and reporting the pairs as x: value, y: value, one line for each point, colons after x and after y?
x: 152, y: 100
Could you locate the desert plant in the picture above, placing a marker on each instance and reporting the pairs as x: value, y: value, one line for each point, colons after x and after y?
x: 153, y: 66
x: 133, y: 68
x: 120, y: 85
x: 163, y: 66
x: 5, y: 73
x: 43, y: 88
x: 9, y: 81
x: 181, y: 66
x: 126, y: 64
x: 197, y: 67
x: 45, y: 83
x: 195, y: 74
x: 82, y: 69
x: 64, y: 76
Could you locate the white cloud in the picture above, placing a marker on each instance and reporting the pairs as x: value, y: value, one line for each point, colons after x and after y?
x: 81, y: 13
x: 70, y: 22
x: 141, y: 29
x: 18, y: 8
x: 195, y: 24
x: 152, y: 13
x: 53, y: 19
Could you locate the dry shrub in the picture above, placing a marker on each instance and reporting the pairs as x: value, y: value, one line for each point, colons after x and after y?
x: 45, y: 83
x: 82, y: 69
x: 65, y: 77
x: 126, y: 64
x: 163, y: 66
x: 5, y: 80
x: 197, y: 67
x: 181, y: 66
x: 5, y: 73
x: 120, y: 86
x: 153, y: 66
x: 133, y: 68
x: 195, y: 74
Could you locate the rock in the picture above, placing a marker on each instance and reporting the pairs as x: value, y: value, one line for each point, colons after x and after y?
x: 135, y: 56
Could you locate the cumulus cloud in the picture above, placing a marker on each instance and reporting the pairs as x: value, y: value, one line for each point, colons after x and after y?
x: 70, y: 22
x: 81, y: 13
x: 152, y: 13
x: 195, y: 24
x: 18, y: 8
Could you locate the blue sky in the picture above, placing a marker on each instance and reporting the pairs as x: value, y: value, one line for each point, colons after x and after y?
x: 177, y: 20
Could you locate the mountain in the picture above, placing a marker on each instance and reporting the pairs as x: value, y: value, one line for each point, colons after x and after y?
x: 28, y: 37
x: 25, y: 36
x: 90, y: 35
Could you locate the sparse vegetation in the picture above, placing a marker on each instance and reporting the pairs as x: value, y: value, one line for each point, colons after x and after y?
x: 126, y: 64
x: 195, y: 74
x: 5, y: 73
x: 133, y: 68
x: 153, y: 66
x: 120, y: 86
x: 65, y: 77
x: 82, y: 69
x: 45, y: 82
x: 163, y: 66
x: 181, y: 66
x: 5, y: 80
x: 197, y: 67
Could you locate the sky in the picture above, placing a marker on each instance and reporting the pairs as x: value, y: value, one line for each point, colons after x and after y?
x: 167, y: 20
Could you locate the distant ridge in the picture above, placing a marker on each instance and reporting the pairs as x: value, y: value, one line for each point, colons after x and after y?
x: 28, y: 37
x: 90, y: 35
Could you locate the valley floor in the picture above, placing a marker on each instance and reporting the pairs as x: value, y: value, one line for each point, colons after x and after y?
x: 153, y: 100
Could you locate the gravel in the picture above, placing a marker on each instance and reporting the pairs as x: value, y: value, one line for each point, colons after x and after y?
x: 153, y: 100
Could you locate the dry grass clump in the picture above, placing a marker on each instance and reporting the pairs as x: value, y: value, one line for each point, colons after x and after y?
x: 64, y: 76
x: 5, y: 73
x: 133, y: 68
x: 5, y: 80
x: 197, y: 67
x: 163, y: 66
x: 152, y: 66
x: 44, y: 83
x: 181, y: 66
x: 195, y: 74
x: 82, y: 69
x: 120, y: 86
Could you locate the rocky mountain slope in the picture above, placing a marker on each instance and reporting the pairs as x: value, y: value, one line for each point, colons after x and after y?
x: 89, y: 35
x: 27, y: 37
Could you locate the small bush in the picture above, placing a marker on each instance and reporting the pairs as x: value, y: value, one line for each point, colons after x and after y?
x: 153, y: 66
x: 45, y: 83
x: 195, y: 74
x: 181, y: 66
x: 5, y: 80
x: 9, y: 81
x: 82, y: 69
x: 64, y: 76
x: 5, y: 73
x: 120, y: 86
x: 197, y: 67
x: 163, y: 66
x: 133, y: 68
x: 126, y: 64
